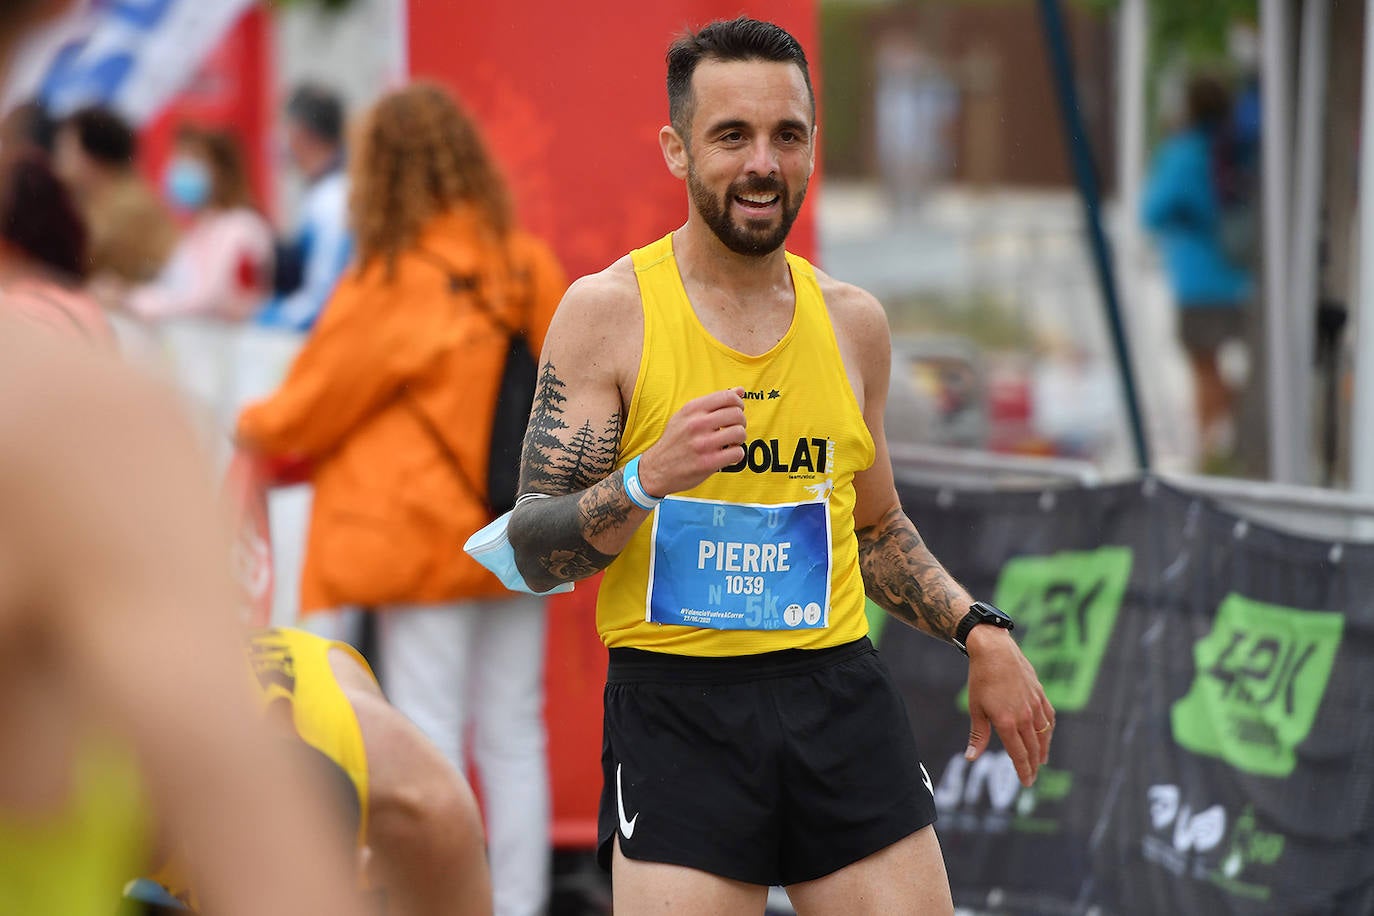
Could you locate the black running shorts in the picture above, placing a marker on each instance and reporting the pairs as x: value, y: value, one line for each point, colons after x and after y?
x: 772, y: 769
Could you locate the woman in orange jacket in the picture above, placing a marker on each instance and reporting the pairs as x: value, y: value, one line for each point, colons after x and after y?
x: 392, y: 400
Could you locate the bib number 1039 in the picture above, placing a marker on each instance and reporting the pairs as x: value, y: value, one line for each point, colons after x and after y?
x: 731, y: 566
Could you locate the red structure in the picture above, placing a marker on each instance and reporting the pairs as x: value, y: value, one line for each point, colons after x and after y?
x: 571, y: 98
x: 232, y: 89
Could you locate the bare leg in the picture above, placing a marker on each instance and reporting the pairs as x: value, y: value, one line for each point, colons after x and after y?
x: 1214, y: 398
x: 906, y: 877
x: 646, y: 888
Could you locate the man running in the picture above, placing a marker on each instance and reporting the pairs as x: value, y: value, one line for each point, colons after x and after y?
x: 752, y: 735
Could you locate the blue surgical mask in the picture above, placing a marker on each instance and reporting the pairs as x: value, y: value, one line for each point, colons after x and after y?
x: 492, y: 548
x: 187, y: 183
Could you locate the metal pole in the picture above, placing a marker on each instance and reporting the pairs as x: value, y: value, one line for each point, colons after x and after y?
x: 1308, y: 151
x: 1085, y: 174
x: 1362, y: 412
x: 1276, y: 189
x: 1131, y: 127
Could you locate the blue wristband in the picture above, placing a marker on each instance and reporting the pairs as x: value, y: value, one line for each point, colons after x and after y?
x: 635, y: 490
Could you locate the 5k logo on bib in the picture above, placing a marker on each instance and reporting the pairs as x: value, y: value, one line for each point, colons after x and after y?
x: 731, y: 566
x: 1261, y: 676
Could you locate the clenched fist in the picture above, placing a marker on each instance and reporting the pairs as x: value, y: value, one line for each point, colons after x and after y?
x: 707, y: 434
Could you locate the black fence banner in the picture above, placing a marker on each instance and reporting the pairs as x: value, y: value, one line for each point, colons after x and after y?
x: 1212, y: 679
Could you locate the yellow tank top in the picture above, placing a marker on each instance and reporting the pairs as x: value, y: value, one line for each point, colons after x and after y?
x: 78, y: 861
x: 293, y: 665
x: 761, y: 556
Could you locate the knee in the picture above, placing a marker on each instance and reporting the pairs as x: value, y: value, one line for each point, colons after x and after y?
x: 430, y: 827
x: 419, y: 815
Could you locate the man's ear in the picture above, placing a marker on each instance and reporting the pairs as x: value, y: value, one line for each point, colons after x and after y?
x: 674, y: 151
x: 815, y: 136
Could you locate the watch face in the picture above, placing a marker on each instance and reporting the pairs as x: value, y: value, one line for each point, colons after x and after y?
x: 990, y: 613
x: 985, y: 613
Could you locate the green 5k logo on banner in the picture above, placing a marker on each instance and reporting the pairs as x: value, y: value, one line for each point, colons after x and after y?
x: 1261, y: 675
x: 1065, y: 606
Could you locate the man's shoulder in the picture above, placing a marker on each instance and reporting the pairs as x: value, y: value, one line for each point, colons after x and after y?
x: 606, y: 292
x: 849, y: 303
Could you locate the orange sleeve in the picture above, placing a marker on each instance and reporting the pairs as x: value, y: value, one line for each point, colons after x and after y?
x: 372, y: 338
x: 548, y: 282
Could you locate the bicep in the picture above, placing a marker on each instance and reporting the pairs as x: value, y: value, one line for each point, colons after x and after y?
x: 875, y: 491
x: 573, y: 437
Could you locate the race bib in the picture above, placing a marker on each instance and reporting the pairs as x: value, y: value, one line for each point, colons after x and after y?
x: 729, y: 566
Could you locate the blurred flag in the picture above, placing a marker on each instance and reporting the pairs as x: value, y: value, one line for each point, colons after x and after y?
x: 132, y: 55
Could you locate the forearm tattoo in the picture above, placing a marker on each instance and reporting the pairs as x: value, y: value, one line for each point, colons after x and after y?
x: 552, y: 537
x: 902, y: 576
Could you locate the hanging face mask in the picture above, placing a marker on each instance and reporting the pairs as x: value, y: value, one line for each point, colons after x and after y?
x: 187, y: 183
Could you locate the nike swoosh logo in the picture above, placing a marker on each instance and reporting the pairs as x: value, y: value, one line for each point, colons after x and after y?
x: 925, y: 778
x: 627, y: 828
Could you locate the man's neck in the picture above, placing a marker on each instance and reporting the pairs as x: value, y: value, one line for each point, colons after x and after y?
x: 703, y: 259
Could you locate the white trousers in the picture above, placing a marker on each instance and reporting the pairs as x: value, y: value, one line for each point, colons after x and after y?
x: 479, y: 665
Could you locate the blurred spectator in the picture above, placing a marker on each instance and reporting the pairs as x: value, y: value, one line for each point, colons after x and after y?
x: 43, y: 249
x: 308, y: 267
x: 131, y: 232
x: 393, y: 397
x: 310, y: 264
x: 217, y: 274
x: 1181, y: 205
x: 221, y: 265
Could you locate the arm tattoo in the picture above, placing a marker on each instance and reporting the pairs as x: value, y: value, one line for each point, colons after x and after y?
x: 552, y: 537
x: 902, y: 576
x: 554, y: 461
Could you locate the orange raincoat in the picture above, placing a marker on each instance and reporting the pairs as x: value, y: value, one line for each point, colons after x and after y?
x: 390, y: 512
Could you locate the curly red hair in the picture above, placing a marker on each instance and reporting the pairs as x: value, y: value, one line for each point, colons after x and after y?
x: 417, y: 154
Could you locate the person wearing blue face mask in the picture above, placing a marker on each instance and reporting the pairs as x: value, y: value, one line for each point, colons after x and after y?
x: 187, y: 183
x: 218, y: 274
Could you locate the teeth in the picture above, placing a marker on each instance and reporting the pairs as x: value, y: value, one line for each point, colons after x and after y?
x: 758, y: 198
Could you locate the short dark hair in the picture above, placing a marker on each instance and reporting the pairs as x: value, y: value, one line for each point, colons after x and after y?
x: 39, y: 217
x: 318, y: 110
x: 727, y: 40
x: 104, y: 136
x: 1209, y: 102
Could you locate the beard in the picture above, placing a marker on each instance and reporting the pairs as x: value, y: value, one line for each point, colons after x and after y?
x: 751, y: 240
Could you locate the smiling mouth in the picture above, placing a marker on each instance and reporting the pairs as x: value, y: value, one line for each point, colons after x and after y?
x: 757, y: 201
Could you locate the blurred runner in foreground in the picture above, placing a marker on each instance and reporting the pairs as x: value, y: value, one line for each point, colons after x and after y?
x: 119, y: 662
x: 109, y: 685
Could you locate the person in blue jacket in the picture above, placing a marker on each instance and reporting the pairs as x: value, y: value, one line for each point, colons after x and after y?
x: 309, y: 264
x: 1183, y: 208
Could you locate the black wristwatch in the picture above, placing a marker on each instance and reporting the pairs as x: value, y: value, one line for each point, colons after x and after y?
x: 980, y: 612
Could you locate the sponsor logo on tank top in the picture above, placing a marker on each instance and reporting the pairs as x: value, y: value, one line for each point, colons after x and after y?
x: 806, y: 457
